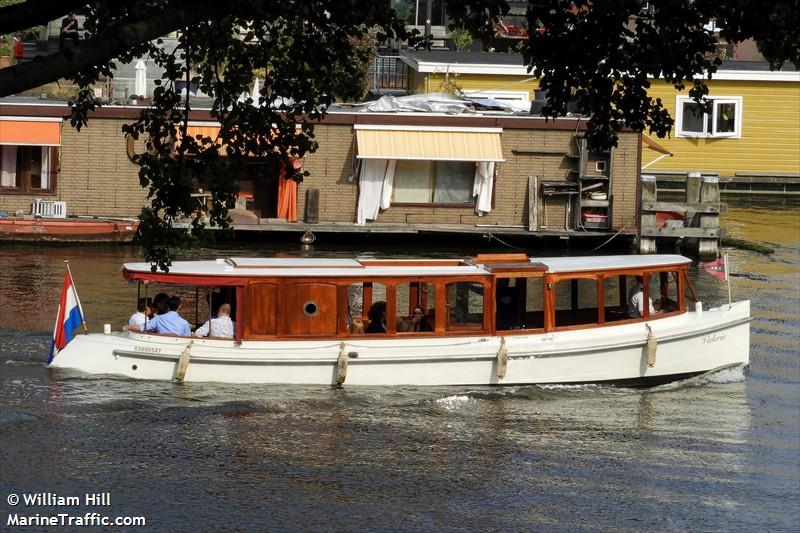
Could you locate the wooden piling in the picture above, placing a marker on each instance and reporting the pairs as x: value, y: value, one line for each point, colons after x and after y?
x: 709, y: 195
x: 647, y: 244
x: 312, y: 206
x: 533, y: 203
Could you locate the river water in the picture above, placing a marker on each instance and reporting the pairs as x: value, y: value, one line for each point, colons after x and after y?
x: 719, y: 452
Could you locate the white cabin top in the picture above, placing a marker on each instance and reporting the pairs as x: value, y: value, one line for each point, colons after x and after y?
x: 369, y: 267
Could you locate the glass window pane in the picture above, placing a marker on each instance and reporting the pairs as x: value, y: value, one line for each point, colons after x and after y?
x: 576, y: 302
x: 376, y: 316
x: 693, y: 118
x: 587, y: 294
x: 534, y: 303
x: 36, y: 168
x: 416, y: 311
x: 412, y: 182
x: 616, y: 307
x: 725, y: 116
x: 454, y: 181
x: 465, y: 303
x: 8, y: 166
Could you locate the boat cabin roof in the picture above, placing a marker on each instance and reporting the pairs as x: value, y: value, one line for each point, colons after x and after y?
x: 484, y: 264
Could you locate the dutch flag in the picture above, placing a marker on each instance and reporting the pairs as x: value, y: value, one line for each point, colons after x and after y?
x: 69, y: 318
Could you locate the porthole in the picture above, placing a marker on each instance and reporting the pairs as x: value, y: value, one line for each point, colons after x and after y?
x: 310, y: 308
x: 134, y: 367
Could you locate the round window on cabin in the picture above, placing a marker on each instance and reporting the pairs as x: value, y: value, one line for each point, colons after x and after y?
x: 310, y: 309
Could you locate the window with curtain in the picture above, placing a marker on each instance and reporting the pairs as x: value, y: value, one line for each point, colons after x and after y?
x: 434, y: 182
x: 28, y: 169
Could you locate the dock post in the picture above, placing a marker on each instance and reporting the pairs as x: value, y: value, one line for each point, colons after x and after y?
x: 312, y: 206
x: 707, y: 248
x: 694, y: 182
x: 647, y: 244
x: 533, y: 203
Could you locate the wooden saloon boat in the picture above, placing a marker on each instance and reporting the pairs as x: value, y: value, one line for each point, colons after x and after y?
x: 495, y: 319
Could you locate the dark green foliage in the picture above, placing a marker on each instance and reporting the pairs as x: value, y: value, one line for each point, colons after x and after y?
x: 598, y: 56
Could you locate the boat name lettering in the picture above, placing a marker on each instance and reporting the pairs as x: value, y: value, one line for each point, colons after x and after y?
x: 714, y: 337
x: 146, y: 349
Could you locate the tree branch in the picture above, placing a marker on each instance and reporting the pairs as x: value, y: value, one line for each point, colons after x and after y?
x: 101, y: 50
x: 19, y: 17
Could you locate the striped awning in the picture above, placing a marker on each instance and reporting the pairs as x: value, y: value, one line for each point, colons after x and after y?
x: 30, y: 131
x: 431, y: 143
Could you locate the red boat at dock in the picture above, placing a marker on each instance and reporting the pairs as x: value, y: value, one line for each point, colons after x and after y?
x: 68, y: 229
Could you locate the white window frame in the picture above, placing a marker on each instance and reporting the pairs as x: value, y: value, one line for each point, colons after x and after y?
x: 681, y: 100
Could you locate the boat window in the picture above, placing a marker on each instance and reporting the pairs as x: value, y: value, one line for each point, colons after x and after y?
x: 416, y: 308
x: 534, y: 303
x: 664, y: 291
x: 360, y: 299
x: 637, y: 292
x: 576, y: 302
x: 615, y: 298
x: 465, y: 305
x: 519, y: 303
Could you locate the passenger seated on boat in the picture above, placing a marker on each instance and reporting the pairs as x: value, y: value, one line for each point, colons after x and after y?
x: 170, y: 322
x: 377, y: 318
x: 142, y: 311
x: 418, y: 322
x: 665, y: 305
x: 636, y: 300
x: 222, y: 326
x: 160, y: 304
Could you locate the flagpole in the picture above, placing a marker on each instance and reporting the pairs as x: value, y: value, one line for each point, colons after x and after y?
x: 80, y: 307
x: 728, y: 279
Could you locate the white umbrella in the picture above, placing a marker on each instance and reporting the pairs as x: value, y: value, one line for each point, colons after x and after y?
x: 254, y: 93
x: 140, y: 82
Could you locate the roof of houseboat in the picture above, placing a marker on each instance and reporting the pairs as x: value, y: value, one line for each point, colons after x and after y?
x: 363, y: 267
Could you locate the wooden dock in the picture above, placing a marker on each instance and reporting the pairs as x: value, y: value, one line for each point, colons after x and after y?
x: 696, y: 219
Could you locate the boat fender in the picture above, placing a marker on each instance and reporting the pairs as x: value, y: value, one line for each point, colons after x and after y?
x: 183, y: 363
x: 341, y: 365
x: 502, y: 359
x: 652, y: 346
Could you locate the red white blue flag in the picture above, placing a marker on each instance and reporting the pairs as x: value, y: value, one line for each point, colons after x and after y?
x: 718, y: 268
x: 69, y: 318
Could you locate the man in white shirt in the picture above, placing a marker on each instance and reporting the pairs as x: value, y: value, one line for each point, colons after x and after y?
x: 138, y: 318
x: 220, y: 327
x: 636, y: 300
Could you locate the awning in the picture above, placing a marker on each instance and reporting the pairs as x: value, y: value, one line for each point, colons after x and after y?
x: 431, y: 143
x: 653, y: 145
x: 30, y: 131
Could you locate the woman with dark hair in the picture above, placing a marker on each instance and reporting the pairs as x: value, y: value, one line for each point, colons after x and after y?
x: 418, y: 322
x: 377, y: 318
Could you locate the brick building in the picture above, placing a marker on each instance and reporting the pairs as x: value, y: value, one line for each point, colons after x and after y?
x: 536, y: 163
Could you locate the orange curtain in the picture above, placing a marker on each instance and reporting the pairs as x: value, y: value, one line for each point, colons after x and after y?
x: 287, y: 194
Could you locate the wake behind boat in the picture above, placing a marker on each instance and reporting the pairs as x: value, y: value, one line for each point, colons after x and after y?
x: 495, y: 319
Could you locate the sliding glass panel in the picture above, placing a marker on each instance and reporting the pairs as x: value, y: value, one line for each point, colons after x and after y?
x: 412, y: 182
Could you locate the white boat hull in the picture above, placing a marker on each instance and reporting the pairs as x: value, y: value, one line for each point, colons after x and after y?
x: 687, y: 344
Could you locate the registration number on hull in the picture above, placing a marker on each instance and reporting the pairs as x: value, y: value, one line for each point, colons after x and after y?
x: 146, y: 349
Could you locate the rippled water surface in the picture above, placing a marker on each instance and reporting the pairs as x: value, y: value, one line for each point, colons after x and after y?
x: 719, y: 452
